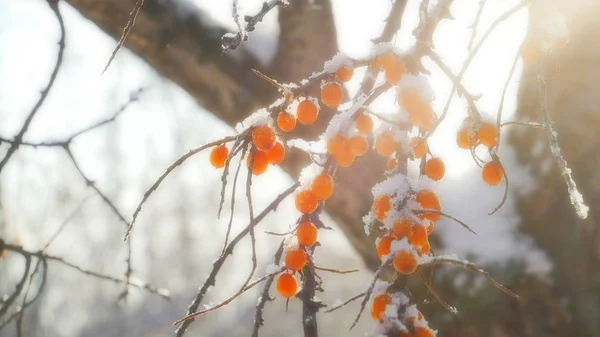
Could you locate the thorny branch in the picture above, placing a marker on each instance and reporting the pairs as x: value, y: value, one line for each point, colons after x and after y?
x: 232, y: 41
x: 264, y: 297
x: 59, y: 59
x: 130, y: 23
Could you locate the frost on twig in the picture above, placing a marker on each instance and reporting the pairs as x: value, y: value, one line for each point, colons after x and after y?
x: 234, y: 40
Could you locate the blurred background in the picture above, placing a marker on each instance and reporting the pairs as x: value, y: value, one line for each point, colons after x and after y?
x: 191, y: 94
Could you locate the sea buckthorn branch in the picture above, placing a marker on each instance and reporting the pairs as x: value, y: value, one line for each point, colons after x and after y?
x: 475, y: 24
x: 245, y: 288
x: 576, y: 198
x: 471, y: 267
x: 219, y: 262
x: 232, y: 41
x: 162, y: 177
x: 435, y: 211
x: 239, y: 145
x: 59, y: 59
x: 348, y: 301
x: 264, y: 297
x: 437, y: 296
x: 232, y: 209
x: 130, y: 23
x: 367, y: 294
x: 513, y: 67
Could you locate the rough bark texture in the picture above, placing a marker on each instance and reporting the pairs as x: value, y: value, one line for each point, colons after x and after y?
x: 548, y: 217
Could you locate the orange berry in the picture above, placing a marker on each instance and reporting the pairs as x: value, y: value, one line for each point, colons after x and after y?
x: 464, y: 140
x: 307, y: 112
x: 337, y: 144
x: 345, y: 158
x: 435, y: 169
x: 261, y: 162
x: 394, y: 72
x: 286, y: 122
x: 322, y: 186
x: 306, y: 202
x: 344, y: 73
x: 492, y: 173
x: 385, y: 144
x: 429, y: 200
x: 405, y: 262
x: 295, y: 259
x: 218, y: 156
x: 359, y: 145
x: 384, y: 61
x: 364, y: 124
x: 263, y: 137
x: 276, y: 154
x: 488, y: 134
x: 307, y: 234
x: 384, y: 246
x: 332, y: 94
x: 403, y: 228
x: 419, y: 146
x: 378, y: 307
x: 405, y: 334
x: 287, y: 286
x: 419, y: 111
x: 381, y: 206
x: 424, y: 332
x: 420, y: 238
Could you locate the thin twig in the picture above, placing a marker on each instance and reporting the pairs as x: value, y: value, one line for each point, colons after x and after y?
x: 233, y: 190
x: 476, y: 23
x: 230, y: 299
x: 351, y: 299
x: 335, y: 271
x: 264, y: 297
x: 437, y: 296
x: 59, y: 59
x: 471, y: 267
x: 219, y: 262
x: 130, y: 23
x: 510, y: 75
x: 369, y: 291
x: 434, y: 211
x: 171, y: 167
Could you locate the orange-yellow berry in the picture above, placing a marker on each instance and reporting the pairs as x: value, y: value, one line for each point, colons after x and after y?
x: 403, y: 228
x: 263, y: 137
x: 322, y: 186
x: 307, y: 234
x: 359, y: 145
x: 287, y: 286
x: 488, y: 134
x: 307, y: 112
x: 276, y: 154
x: 385, y: 144
x: 344, y: 73
x: 429, y: 200
x: 261, y: 162
x: 306, y: 201
x: 364, y: 124
x: 435, y: 169
x: 218, y: 156
x: 381, y: 206
x: 286, y: 122
x: 492, y: 173
x: 378, y: 307
x: 332, y: 94
x: 295, y: 259
x: 384, y: 246
x: 405, y: 262
x: 419, y: 147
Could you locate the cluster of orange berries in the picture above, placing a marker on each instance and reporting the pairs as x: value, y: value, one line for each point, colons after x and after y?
x: 416, y: 230
x: 413, y: 319
x: 472, y: 134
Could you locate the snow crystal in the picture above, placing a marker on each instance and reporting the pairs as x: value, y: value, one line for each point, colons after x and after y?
x: 398, y: 245
x: 272, y: 268
x: 260, y: 117
x: 380, y: 287
x: 338, y: 60
x: 308, y: 174
x: 396, y: 184
x: 417, y: 83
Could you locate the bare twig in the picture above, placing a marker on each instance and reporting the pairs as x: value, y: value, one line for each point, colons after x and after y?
x: 229, y: 300
x: 465, y: 226
x: 310, y: 306
x: 335, y: 271
x: 232, y: 41
x: 471, y: 267
x: 130, y: 23
x: 170, y: 169
x: 218, y: 264
x: 476, y: 23
x: 351, y: 299
x: 233, y: 190
x: 369, y: 291
x: 264, y: 297
x: 59, y: 59
x: 501, y: 105
x: 437, y: 296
